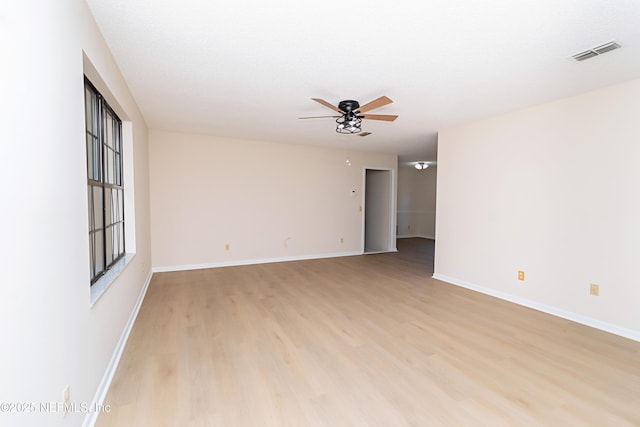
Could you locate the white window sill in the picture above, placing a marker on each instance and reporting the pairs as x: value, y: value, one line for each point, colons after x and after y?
x: 103, y: 283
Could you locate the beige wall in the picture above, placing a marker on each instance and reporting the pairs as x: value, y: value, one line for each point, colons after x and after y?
x: 417, y: 202
x: 267, y: 201
x: 551, y: 190
x: 51, y: 337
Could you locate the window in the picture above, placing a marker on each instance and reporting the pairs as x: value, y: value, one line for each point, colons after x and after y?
x: 104, y: 181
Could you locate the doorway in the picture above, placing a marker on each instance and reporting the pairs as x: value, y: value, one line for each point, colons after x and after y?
x: 378, y: 211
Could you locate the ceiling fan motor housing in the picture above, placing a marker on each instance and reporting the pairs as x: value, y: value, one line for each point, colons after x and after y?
x: 348, y: 105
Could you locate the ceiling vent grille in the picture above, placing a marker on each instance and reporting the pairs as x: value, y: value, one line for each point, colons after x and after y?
x: 595, y: 51
x: 607, y: 47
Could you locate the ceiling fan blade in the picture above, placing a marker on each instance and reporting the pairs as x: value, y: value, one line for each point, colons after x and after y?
x: 385, y: 117
x: 320, y: 117
x: 326, y: 104
x: 376, y: 103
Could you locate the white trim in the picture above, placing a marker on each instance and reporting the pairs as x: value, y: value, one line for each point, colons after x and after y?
x: 381, y: 252
x: 578, y: 318
x: 410, y: 236
x: 250, y: 262
x: 91, y: 418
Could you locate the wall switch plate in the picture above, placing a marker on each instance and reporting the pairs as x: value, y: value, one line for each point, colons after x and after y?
x: 594, y: 289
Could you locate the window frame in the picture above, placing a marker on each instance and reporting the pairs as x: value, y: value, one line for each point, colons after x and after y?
x: 105, y: 179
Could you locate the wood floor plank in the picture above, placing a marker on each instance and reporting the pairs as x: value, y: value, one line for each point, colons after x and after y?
x: 361, y: 341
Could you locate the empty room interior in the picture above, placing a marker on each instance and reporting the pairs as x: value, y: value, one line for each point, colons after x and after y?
x: 320, y: 214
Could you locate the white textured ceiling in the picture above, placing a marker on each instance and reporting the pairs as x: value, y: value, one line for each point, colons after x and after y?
x: 248, y: 68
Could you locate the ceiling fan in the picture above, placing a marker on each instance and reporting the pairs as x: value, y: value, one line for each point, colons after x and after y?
x: 351, y: 113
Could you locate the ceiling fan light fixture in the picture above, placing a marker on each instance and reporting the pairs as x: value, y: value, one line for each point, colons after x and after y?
x: 421, y: 165
x: 349, y: 123
x: 351, y: 114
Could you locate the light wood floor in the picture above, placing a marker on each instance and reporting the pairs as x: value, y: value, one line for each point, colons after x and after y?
x: 361, y: 341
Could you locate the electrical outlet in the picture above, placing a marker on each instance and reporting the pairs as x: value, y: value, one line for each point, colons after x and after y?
x: 520, y: 275
x: 66, y: 399
x: 594, y: 289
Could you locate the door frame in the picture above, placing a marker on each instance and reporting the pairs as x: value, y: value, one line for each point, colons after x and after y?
x: 391, y: 229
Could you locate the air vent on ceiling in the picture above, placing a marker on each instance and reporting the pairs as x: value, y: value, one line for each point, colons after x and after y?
x: 595, y: 51
x: 364, y: 133
x: 584, y: 55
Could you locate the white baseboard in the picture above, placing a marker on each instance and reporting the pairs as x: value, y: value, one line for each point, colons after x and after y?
x: 103, y: 388
x: 411, y: 236
x: 251, y: 262
x: 578, y: 318
x: 381, y: 252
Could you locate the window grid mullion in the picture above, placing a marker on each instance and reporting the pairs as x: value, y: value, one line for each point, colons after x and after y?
x: 104, y: 178
x: 104, y: 157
